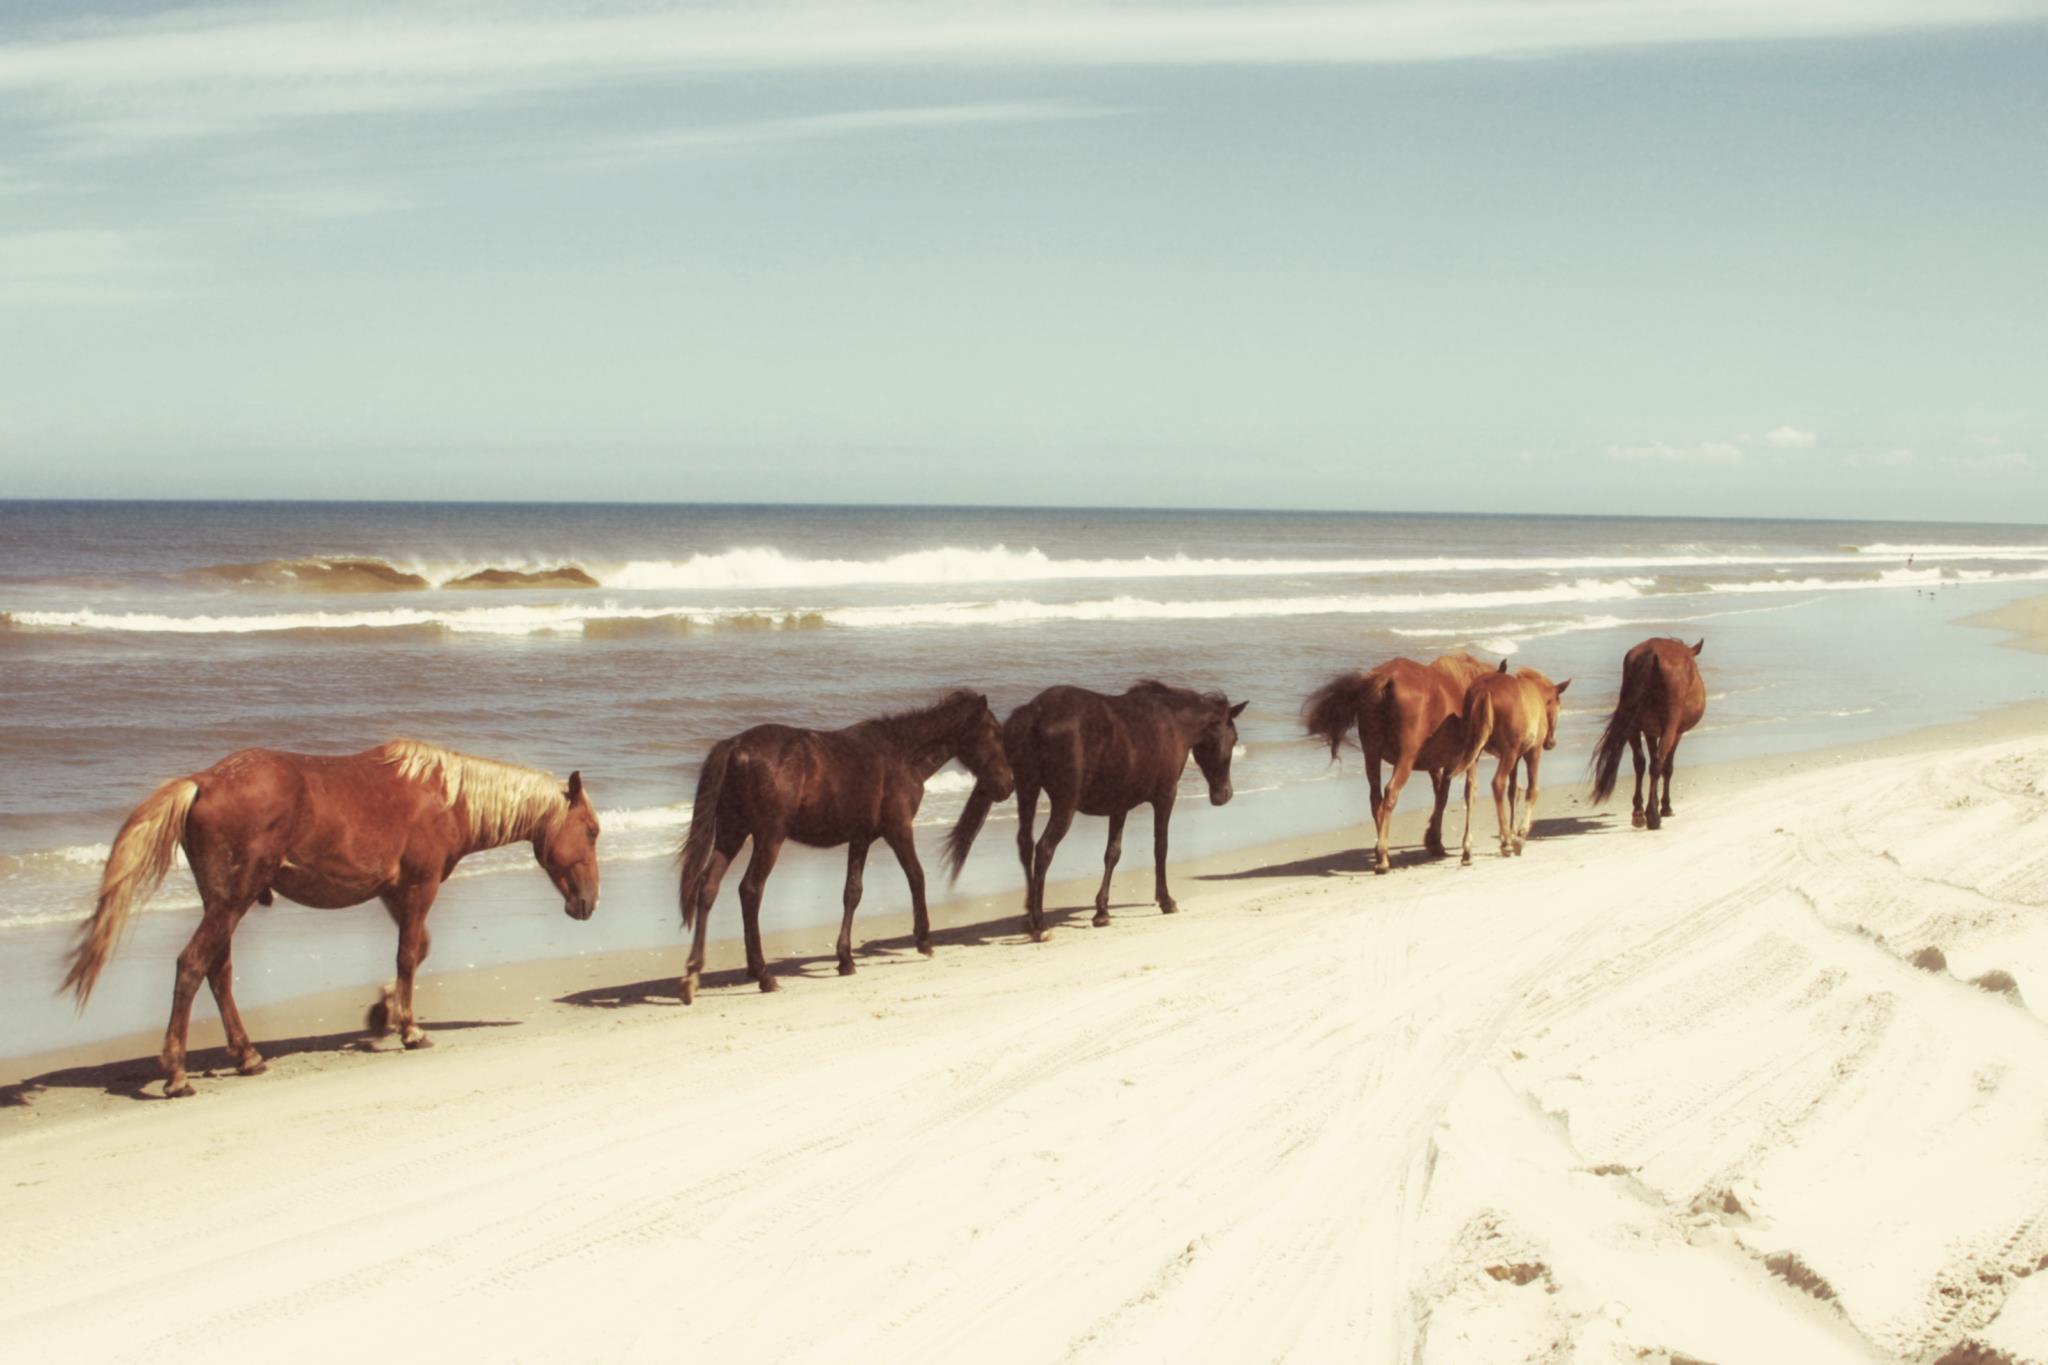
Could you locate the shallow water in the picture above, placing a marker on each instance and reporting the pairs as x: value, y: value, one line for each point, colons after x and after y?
x: 144, y: 640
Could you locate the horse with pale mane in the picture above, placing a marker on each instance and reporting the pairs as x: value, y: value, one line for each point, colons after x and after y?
x: 390, y: 823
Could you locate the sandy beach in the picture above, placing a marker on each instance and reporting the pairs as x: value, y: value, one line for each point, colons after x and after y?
x: 1767, y: 1086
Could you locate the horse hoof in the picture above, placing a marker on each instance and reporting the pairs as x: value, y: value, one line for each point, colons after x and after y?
x: 1037, y: 935
x: 1466, y: 860
x: 415, y: 1044
x: 925, y: 949
x: 181, y: 1091
x: 687, y: 988
x: 1169, y: 907
x: 252, y: 1065
x: 378, y: 1019
x: 1101, y: 918
x: 768, y: 986
x: 1637, y: 820
x: 846, y: 966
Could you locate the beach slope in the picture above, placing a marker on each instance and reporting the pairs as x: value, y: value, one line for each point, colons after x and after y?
x: 1770, y: 1085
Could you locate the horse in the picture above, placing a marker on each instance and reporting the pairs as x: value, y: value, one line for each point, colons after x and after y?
x: 328, y: 831
x: 1514, y: 717
x: 1662, y: 696
x: 1103, y: 755
x: 825, y: 788
x: 1407, y: 713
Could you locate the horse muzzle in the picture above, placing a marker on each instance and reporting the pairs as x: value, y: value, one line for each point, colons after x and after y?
x: 1220, y: 796
x: 579, y: 907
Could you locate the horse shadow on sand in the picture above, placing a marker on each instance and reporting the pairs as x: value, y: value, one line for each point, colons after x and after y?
x: 1358, y: 862
x: 140, y: 1078
x: 1007, y: 927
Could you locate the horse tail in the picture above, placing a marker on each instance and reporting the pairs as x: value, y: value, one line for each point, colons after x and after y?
x: 1640, y: 683
x: 142, y: 855
x: 703, y: 833
x: 1333, y: 708
x: 1478, y: 729
x: 962, y: 838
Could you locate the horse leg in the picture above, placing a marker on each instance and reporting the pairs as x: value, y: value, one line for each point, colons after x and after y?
x: 1503, y: 797
x: 1635, y: 748
x: 856, y: 865
x: 1403, y: 766
x: 1162, y: 814
x: 1670, y: 763
x: 1056, y: 822
x: 766, y: 846
x: 1027, y: 816
x: 248, y: 1060
x: 409, y: 905
x: 1440, y: 780
x: 1534, y: 758
x: 903, y: 843
x: 714, y: 873
x: 1372, y: 777
x: 195, y: 962
x: 1465, y: 857
x: 1110, y: 854
x: 1652, y: 818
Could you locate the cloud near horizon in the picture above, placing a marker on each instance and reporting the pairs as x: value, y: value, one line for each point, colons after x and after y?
x: 112, y: 85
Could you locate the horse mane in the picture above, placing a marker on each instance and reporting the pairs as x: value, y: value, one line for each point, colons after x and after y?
x: 959, y: 696
x: 1176, y: 696
x: 505, y: 800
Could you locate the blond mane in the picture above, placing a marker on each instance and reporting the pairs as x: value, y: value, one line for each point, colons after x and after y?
x: 505, y: 801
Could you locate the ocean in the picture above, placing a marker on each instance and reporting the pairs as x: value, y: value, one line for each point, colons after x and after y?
x: 139, y: 641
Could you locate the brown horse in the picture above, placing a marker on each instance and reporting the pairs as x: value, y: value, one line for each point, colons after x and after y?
x: 825, y: 788
x: 1407, y: 714
x: 1103, y: 755
x: 391, y: 823
x: 1514, y: 717
x: 1662, y: 696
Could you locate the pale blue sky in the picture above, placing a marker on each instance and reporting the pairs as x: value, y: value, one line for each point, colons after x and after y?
x: 1724, y: 256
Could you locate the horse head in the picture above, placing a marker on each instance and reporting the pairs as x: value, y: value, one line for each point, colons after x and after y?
x: 981, y: 750
x: 1553, y: 703
x: 1214, y: 746
x: 566, y: 849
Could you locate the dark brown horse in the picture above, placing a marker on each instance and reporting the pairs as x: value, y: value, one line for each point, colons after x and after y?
x: 1514, y: 717
x: 1103, y: 755
x: 1407, y: 714
x: 825, y: 788
x: 1662, y: 696
x: 390, y: 823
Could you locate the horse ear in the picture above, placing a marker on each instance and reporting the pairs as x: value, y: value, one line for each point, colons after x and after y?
x: 1563, y: 685
x: 1701, y: 645
x: 575, y: 787
x: 1503, y: 665
x: 1238, y: 709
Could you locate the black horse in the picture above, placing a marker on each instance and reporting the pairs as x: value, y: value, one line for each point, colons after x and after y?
x: 1103, y: 755
x: 825, y: 788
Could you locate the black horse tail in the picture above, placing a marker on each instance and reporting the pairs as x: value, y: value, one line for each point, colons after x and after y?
x: 697, y: 844
x: 1332, y: 709
x: 962, y: 838
x: 1641, y: 681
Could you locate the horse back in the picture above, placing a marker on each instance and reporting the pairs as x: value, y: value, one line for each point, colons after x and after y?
x: 1414, y: 708
x: 1107, y: 753
x: 1683, y: 699
x: 821, y: 787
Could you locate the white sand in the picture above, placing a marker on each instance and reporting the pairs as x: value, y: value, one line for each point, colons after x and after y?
x: 1568, y: 1108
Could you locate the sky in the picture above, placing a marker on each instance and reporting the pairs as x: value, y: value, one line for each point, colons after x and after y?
x: 1726, y: 257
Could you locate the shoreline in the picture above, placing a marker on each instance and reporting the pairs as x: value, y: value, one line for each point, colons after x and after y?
x: 75, y: 1080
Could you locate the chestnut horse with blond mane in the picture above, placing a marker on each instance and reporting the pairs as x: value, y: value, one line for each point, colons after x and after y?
x: 1662, y: 696
x: 825, y: 788
x: 328, y: 832
x: 1514, y: 717
x: 1407, y: 714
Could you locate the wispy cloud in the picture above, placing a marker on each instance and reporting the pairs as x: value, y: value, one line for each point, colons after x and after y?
x: 79, y: 266
x: 1658, y: 452
x: 812, y: 127
x: 1791, y: 438
x: 108, y: 84
x: 1995, y: 462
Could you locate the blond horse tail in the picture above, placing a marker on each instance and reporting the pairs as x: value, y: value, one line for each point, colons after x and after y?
x: 142, y: 855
